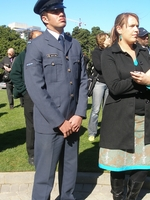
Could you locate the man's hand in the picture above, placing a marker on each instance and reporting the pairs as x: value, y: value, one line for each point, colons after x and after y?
x: 66, y: 128
x: 8, y: 69
x: 75, y: 122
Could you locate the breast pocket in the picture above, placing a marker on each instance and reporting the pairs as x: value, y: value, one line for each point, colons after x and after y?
x: 53, y: 69
x: 76, y: 67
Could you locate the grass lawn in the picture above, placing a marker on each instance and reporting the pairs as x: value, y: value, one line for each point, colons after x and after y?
x: 13, y: 156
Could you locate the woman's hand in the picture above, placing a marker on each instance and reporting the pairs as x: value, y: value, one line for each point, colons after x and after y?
x: 141, y: 77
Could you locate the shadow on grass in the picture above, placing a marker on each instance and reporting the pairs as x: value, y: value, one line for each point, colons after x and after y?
x: 89, y: 157
x: 89, y: 106
x: 12, y: 139
x: 82, y: 130
x: 3, y: 113
x: 19, y: 105
x: 3, y: 105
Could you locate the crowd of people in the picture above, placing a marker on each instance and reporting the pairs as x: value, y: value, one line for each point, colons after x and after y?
x: 54, y: 60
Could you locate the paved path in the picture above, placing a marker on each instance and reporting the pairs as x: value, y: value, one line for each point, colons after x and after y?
x: 89, y: 186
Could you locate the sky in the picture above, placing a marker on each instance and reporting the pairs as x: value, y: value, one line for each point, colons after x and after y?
x: 90, y: 13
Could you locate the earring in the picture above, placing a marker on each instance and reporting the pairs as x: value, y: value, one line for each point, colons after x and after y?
x: 120, y: 37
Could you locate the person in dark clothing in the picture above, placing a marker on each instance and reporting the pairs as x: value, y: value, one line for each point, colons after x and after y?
x: 6, y: 64
x: 143, y: 38
x: 100, y: 91
x: 125, y: 127
x: 17, y: 77
x: 86, y: 61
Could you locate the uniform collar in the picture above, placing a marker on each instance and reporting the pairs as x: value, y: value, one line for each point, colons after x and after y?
x: 56, y: 35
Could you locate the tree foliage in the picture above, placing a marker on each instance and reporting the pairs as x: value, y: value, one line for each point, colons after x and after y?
x: 10, y: 39
x: 86, y: 38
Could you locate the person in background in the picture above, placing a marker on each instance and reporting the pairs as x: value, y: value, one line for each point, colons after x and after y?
x: 125, y: 127
x: 6, y: 64
x: 56, y: 80
x: 100, y: 91
x: 19, y: 91
x: 143, y: 38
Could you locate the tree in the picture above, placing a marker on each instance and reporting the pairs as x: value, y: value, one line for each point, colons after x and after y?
x: 82, y: 35
x: 86, y: 38
x: 10, y: 39
x: 92, y: 39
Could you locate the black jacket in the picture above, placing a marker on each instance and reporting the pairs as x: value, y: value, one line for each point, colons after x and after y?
x: 96, y: 59
x: 6, y: 60
x: 117, y: 127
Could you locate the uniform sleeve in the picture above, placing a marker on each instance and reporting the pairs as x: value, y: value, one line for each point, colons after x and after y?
x: 83, y: 88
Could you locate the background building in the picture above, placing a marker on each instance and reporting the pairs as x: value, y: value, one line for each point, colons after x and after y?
x: 22, y: 28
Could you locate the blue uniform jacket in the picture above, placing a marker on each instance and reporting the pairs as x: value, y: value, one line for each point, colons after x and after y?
x: 56, y: 81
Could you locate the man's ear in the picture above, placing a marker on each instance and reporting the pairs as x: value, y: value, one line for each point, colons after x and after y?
x: 44, y: 19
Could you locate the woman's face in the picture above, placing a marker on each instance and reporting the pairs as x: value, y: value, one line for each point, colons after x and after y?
x: 107, y: 41
x: 129, y: 31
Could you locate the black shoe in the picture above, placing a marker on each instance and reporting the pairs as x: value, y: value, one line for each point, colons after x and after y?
x: 31, y: 161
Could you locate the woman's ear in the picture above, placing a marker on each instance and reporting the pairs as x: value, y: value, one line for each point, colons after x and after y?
x: 119, y: 30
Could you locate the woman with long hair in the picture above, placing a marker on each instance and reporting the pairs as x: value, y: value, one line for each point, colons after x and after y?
x: 125, y: 127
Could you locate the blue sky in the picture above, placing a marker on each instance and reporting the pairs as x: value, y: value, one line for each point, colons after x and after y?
x: 99, y: 13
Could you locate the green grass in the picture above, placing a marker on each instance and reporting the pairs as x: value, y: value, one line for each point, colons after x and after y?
x: 13, y: 156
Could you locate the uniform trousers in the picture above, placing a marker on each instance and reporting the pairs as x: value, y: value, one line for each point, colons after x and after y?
x: 30, y: 134
x: 50, y: 149
x: 9, y: 88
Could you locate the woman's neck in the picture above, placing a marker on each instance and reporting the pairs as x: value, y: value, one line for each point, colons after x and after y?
x: 127, y: 48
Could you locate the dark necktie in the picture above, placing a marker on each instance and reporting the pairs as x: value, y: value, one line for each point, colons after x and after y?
x: 61, y: 41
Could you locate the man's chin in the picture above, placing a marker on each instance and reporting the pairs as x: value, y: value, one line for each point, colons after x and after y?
x: 63, y: 24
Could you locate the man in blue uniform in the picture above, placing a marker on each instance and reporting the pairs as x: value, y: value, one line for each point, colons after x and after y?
x: 56, y: 80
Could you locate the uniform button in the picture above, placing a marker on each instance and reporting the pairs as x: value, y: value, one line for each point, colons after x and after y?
x: 53, y: 64
x: 69, y: 70
x: 72, y: 95
x: 71, y: 82
x: 147, y: 101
